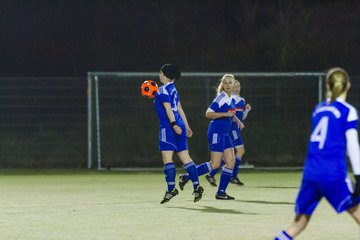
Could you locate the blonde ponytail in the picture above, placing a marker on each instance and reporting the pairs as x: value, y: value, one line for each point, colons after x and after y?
x: 337, y: 80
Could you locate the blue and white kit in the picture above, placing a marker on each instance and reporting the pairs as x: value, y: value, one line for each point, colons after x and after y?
x: 168, y: 139
x: 325, y: 172
x: 219, y: 129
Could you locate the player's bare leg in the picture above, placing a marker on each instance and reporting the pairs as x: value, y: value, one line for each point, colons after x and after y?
x: 298, y: 225
x: 355, y: 213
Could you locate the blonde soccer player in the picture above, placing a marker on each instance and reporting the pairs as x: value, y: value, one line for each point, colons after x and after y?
x: 242, y: 110
x: 222, y: 113
x: 334, y: 133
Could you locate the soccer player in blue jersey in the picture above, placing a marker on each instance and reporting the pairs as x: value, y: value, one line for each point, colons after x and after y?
x: 222, y: 113
x: 174, y: 128
x: 334, y: 132
x: 242, y: 110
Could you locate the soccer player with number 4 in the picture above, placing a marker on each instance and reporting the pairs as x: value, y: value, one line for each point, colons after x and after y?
x: 334, y: 133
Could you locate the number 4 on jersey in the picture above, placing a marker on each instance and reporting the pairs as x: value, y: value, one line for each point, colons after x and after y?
x: 320, y: 132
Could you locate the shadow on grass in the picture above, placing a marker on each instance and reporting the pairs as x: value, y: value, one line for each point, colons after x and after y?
x: 274, y: 187
x: 265, y: 202
x: 208, y: 209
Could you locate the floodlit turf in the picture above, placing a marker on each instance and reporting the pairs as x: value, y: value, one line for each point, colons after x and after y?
x: 100, y: 205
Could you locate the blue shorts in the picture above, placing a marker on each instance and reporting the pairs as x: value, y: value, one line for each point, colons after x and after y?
x: 337, y: 193
x: 218, y: 142
x: 170, y: 141
x: 236, y: 137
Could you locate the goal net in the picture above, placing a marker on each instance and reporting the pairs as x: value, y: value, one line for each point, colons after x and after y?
x: 123, y: 126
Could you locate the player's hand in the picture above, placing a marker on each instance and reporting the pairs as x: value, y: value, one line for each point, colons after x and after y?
x: 177, y: 129
x: 189, y: 132
x: 248, y: 107
x: 240, y: 125
x: 357, y: 185
x: 229, y: 114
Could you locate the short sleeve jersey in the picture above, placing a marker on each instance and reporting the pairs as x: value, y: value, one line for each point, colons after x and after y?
x: 222, y: 103
x: 167, y: 93
x: 326, y: 158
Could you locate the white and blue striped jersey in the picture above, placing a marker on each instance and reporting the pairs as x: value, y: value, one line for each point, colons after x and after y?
x: 326, y: 158
x: 222, y: 103
x: 167, y: 93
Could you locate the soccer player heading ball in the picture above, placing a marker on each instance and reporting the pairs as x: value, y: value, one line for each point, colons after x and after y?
x: 174, y: 128
x: 334, y: 132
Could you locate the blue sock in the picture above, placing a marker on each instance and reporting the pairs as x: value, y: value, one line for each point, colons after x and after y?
x: 192, y: 173
x: 170, y: 173
x: 225, y: 179
x: 283, y: 235
x: 203, y: 168
x: 236, y: 167
x: 215, y: 171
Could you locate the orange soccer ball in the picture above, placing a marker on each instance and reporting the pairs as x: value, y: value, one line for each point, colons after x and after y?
x: 149, y: 89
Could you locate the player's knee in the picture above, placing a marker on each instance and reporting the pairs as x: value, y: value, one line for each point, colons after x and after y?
x: 240, y: 152
x: 215, y: 164
x: 301, y: 222
x: 230, y: 164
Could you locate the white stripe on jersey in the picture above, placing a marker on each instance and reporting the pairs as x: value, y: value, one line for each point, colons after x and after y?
x: 223, y: 98
x: 331, y: 109
x: 162, y: 90
x: 219, y: 97
x: 237, y: 98
x: 352, y: 116
x: 209, y: 110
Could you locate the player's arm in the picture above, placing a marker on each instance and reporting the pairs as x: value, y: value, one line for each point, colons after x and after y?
x: 239, y: 123
x: 247, y: 110
x: 353, y: 150
x: 171, y: 117
x: 189, y: 132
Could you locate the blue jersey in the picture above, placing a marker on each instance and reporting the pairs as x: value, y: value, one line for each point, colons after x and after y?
x: 222, y: 104
x: 240, y: 107
x: 326, y: 158
x: 167, y: 93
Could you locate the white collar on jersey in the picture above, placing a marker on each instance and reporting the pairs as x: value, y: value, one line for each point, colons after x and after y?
x: 338, y: 99
x: 168, y: 84
x: 227, y: 96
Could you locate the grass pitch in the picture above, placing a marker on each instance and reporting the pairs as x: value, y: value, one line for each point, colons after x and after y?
x: 109, y: 205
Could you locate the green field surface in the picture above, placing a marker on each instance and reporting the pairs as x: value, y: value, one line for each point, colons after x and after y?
x: 113, y: 205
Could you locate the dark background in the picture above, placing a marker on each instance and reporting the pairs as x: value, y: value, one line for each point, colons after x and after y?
x: 47, y: 48
x: 70, y: 38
